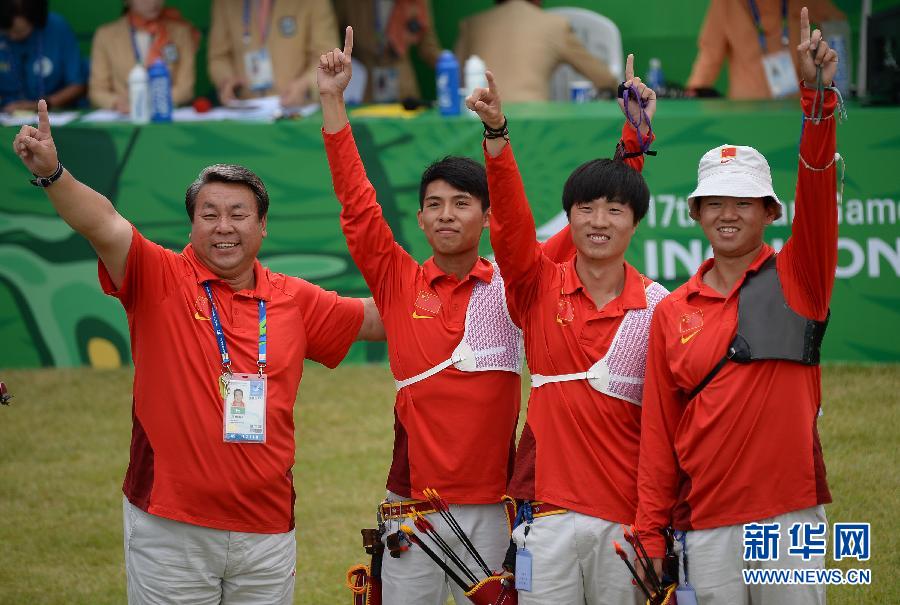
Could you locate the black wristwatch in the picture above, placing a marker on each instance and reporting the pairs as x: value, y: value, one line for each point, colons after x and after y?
x: 46, y: 181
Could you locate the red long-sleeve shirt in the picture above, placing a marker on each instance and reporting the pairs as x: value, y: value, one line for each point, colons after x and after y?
x: 454, y: 431
x: 579, y: 448
x: 747, y: 447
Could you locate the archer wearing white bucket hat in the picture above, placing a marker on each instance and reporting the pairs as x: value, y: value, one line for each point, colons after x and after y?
x: 734, y: 171
x: 725, y: 445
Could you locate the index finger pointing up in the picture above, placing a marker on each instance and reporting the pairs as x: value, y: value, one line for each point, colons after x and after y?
x: 43, y: 117
x: 492, y: 84
x: 629, y: 67
x: 804, y: 25
x: 348, y: 42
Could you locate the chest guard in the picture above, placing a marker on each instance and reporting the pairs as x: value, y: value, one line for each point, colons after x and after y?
x: 491, y: 341
x: 620, y: 373
x: 768, y: 328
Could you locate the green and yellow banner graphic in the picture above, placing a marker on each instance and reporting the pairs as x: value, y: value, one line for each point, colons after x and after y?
x: 53, y: 313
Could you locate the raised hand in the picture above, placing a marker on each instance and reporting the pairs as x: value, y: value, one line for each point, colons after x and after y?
x: 486, y: 103
x: 646, y: 94
x: 336, y: 68
x: 35, y: 145
x: 813, y: 52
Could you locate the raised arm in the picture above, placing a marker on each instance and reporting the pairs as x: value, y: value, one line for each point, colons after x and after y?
x: 369, y: 237
x: 513, y: 233
x: 85, y: 210
x: 810, y: 254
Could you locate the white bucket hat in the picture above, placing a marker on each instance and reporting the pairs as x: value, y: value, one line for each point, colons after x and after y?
x: 734, y: 171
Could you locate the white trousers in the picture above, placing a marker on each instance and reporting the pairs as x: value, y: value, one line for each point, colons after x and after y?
x: 414, y: 579
x: 715, y: 561
x: 573, y: 562
x: 171, y: 562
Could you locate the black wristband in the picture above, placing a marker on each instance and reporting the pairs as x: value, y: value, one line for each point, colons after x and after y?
x: 496, y: 133
x: 46, y: 181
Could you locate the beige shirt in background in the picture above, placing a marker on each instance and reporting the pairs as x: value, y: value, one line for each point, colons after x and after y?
x: 360, y: 14
x: 522, y: 45
x: 112, y: 57
x: 729, y: 32
x: 299, y: 32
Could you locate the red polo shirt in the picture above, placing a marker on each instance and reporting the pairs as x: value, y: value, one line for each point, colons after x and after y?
x: 180, y: 467
x: 454, y: 431
x: 747, y: 447
x: 579, y: 448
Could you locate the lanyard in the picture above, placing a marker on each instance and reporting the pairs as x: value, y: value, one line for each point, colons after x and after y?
x: 134, y: 47
x: 264, y: 20
x: 220, y: 335
x: 759, y: 28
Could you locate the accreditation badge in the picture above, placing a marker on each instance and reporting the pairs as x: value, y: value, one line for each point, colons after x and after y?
x: 385, y: 85
x: 780, y: 73
x: 258, y: 67
x: 244, y: 403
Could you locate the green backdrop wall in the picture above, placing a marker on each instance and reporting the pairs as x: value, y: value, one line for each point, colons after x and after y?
x: 52, y: 311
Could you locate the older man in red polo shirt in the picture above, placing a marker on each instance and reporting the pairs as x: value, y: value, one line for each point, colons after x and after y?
x: 209, y: 496
x: 730, y: 451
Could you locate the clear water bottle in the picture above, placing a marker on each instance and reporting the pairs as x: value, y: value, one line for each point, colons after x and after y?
x: 475, y: 71
x: 447, y: 73
x: 474, y: 75
x: 138, y: 94
x: 655, y: 78
x: 160, y: 92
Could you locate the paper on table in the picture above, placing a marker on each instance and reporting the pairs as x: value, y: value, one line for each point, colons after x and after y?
x: 262, y: 109
x: 105, y: 115
x: 57, y: 118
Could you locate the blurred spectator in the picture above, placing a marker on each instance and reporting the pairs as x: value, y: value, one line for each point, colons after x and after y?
x: 145, y: 33
x: 522, y: 45
x: 39, y: 57
x: 730, y: 32
x: 383, y: 32
x: 264, y: 47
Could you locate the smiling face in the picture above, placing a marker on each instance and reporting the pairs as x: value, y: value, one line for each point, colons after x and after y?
x: 226, y: 232
x: 451, y: 219
x: 734, y: 226
x: 602, y: 230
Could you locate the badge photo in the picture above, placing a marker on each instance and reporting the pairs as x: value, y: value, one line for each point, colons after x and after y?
x: 287, y: 26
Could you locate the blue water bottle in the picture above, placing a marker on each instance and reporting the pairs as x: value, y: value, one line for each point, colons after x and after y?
x: 160, y: 92
x: 447, y: 71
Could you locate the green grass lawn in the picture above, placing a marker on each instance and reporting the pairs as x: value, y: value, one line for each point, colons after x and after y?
x: 64, y: 448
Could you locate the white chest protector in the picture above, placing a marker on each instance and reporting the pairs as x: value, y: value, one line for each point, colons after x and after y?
x: 620, y: 373
x: 491, y: 341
